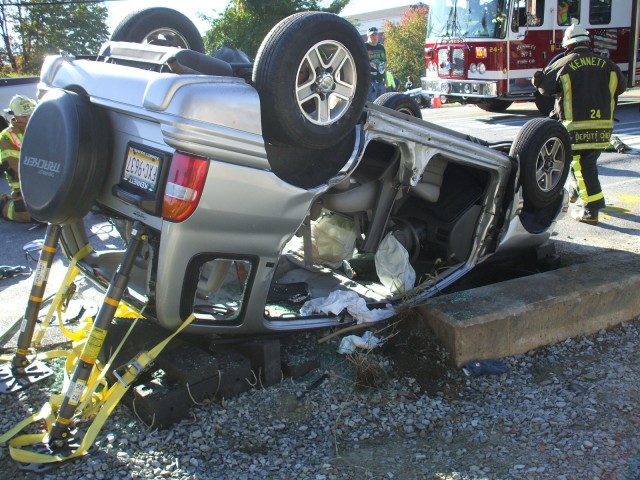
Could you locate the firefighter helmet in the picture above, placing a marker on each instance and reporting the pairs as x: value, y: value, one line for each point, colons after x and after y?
x: 22, y: 106
x: 574, y: 34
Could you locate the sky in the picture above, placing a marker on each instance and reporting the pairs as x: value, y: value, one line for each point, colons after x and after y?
x: 121, y: 8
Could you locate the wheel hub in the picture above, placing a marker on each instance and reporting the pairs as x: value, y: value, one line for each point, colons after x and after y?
x: 326, y: 83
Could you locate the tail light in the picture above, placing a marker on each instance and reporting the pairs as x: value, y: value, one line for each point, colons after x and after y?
x: 184, y: 186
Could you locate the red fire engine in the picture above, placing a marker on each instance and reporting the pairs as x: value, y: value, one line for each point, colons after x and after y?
x: 486, y: 51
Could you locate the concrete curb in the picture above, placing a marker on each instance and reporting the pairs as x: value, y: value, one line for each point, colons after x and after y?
x: 516, y: 316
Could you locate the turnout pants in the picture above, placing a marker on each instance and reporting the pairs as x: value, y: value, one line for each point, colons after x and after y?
x: 585, y: 174
x: 14, y: 209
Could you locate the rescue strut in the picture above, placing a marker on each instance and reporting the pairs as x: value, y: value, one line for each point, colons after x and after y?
x: 21, y: 373
x: 63, y: 438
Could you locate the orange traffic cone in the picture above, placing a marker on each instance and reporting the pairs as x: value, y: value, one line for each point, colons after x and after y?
x: 436, y: 102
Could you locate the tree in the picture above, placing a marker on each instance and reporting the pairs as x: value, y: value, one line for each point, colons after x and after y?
x: 404, y: 43
x: 32, y: 29
x: 244, y: 23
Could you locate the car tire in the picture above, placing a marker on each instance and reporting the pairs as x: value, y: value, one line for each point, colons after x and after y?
x: 306, y: 100
x: 494, y: 105
x: 543, y: 150
x: 64, y: 157
x: 544, y: 104
x: 399, y: 102
x: 159, y: 25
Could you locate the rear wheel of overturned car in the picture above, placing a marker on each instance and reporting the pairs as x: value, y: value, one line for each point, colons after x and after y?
x: 543, y: 149
x: 159, y: 26
x: 312, y: 74
x: 494, y: 105
x: 399, y: 102
x: 64, y: 157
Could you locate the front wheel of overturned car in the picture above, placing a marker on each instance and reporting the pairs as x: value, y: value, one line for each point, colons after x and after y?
x: 543, y: 149
x: 159, y: 26
x: 312, y: 74
x: 399, y: 102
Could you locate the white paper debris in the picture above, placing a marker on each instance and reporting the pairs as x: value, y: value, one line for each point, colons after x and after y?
x: 339, y: 300
x: 349, y: 343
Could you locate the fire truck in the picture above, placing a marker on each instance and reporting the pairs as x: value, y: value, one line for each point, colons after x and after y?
x: 486, y: 51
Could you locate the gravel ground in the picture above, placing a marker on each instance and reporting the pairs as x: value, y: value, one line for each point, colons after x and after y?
x: 565, y: 411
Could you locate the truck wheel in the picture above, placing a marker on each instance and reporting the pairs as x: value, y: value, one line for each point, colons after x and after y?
x: 160, y: 26
x: 64, y: 157
x: 494, y: 105
x: 312, y: 74
x: 544, y: 151
x: 399, y: 102
x: 544, y: 104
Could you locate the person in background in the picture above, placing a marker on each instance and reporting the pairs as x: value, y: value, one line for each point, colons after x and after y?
x: 377, y: 63
x: 568, y: 10
x: 390, y: 82
x: 409, y: 83
x: 12, y: 206
x: 586, y: 87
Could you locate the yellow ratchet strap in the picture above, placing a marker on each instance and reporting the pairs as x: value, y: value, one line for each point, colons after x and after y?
x: 127, y: 375
x: 56, y: 305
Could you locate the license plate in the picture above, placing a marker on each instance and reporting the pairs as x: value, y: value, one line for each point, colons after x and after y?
x: 141, y: 169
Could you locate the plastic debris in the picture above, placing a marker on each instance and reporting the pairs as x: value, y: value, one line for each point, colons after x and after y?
x: 33, y: 246
x: 355, y: 305
x: 393, y: 267
x: 367, y: 341
x: 32, y: 251
x: 484, y: 367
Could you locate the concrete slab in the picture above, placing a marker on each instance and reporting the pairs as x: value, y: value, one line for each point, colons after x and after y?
x: 516, y: 316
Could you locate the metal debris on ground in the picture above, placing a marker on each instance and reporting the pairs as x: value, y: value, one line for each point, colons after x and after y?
x: 7, y: 271
x: 484, y: 367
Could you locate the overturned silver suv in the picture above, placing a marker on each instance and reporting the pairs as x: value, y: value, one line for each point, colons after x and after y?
x: 272, y: 196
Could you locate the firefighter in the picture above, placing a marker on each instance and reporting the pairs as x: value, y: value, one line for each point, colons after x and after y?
x: 568, y: 11
x: 499, y: 20
x: 586, y: 87
x: 563, y: 13
x: 12, y: 206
